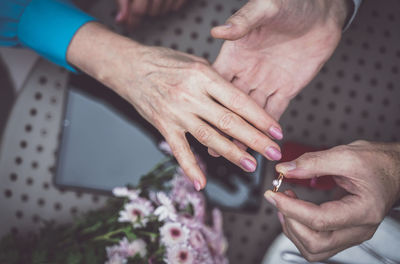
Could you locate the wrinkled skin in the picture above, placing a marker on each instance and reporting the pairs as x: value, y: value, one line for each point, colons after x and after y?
x: 177, y: 93
x: 274, y: 48
x: 370, y: 175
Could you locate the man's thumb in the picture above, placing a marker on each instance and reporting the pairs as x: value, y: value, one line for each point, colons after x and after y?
x: 240, y: 23
x: 313, y: 164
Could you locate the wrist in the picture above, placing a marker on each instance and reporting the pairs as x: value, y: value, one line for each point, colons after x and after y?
x: 102, y: 54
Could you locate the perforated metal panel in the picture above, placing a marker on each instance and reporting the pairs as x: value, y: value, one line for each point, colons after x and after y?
x: 356, y: 96
x: 28, y: 156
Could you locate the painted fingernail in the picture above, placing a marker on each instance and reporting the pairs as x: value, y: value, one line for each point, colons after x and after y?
x: 285, y: 167
x: 275, y: 133
x: 273, y: 153
x: 268, y: 195
x: 248, y: 165
x: 197, y: 185
x: 281, y: 219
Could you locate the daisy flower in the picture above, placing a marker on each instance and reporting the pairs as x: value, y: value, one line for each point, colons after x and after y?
x: 166, y: 210
x: 116, y: 259
x: 173, y: 234
x: 136, y: 212
x: 180, y: 255
x: 130, y: 249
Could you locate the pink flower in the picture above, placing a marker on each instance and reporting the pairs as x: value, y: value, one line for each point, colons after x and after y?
x: 118, y: 253
x: 196, y: 239
x: 180, y: 255
x: 136, y: 212
x: 130, y: 249
x: 166, y: 210
x: 173, y: 234
x: 116, y: 259
x: 198, y: 202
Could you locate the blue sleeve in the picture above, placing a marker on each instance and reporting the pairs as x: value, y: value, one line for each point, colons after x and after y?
x: 46, y: 26
x: 356, y: 6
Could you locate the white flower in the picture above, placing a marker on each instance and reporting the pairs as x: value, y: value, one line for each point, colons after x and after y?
x: 125, y: 192
x: 136, y: 212
x: 166, y: 210
x: 173, y: 234
x: 130, y: 249
x: 116, y: 259
x: 198, y: 203
x: 180, y: 255
x: 117, y: 254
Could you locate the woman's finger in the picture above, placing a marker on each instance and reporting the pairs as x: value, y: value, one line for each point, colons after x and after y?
x: 209, y: 137
x: 241, y: 104
x: 231, y: 124
x: 185, y: 157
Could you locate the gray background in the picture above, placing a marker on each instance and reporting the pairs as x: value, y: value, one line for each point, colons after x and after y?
x: 356, y: 96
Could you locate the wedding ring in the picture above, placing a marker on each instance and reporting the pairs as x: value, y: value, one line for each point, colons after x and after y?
x: 277, y: 182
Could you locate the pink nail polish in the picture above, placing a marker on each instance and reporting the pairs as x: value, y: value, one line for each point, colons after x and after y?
x: 273, y: 153
x: 197, y: 185
x: 248, y: 165
x: 275, y: 133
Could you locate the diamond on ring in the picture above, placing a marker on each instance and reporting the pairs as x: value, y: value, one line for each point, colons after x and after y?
x: 277, y: 182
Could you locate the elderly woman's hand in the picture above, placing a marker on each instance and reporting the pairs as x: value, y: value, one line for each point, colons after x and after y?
x: 178, y: 93
x: 368, y: 172
x: 131, y: 12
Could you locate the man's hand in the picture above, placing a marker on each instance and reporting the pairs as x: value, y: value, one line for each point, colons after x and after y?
x: 275, y: 47
x: 370, y: 175
x: 131, y: 12
x: 177, y: 93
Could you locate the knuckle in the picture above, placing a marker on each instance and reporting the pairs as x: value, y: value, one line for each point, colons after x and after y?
x: 240, y: 19
x: 258, y: 141
x: 228, y: 151
x: 318, y: 224
x: 375, y: 217
x: 310, y: 158
x: 199, y: 66
x: 314, y: 247
x: 238, y: 101
x: 226, y: 121
x: 203, y: 134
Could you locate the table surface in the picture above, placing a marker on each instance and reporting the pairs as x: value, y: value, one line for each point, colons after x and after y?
x: 356, y: 96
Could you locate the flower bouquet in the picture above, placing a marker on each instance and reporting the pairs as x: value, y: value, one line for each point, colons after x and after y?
x: 162, y: 220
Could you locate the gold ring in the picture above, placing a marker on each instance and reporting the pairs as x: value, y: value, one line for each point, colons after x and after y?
x: 277, y: 182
